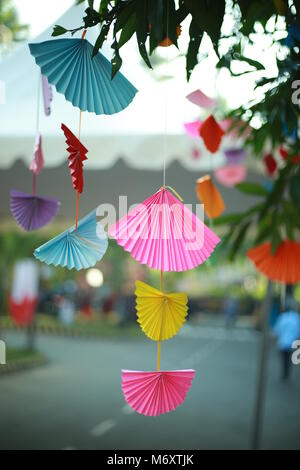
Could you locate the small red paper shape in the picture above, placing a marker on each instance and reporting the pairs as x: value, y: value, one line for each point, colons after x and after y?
x: 211, y: 133
x: 284, y: 155
x: 76, y: 158
x: 270, y: 163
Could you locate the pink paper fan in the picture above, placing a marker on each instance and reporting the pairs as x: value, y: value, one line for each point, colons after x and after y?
x: 156, y: 393
x: 199, y: 98
x: 164, y: 234
x: 32, y: 212
x: 230, y: 175
x: 37, y: 161
x: 192, y: 128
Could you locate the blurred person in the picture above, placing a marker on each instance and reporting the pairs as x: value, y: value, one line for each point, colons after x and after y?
x: 230, y: 310
x: 287, y: 330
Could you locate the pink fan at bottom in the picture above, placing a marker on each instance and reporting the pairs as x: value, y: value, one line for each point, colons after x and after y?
x: 32, y: 212
x: 158, y: 392
x: 230, y: 175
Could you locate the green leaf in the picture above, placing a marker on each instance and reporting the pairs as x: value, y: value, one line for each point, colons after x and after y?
x: 208, y: 14
x: 142, y: 28
x: 252, y: 188
x: 254, y: 63
x: 128, y: 30
x: 276, y: 239
x: 196, y: 35
x: 58, y: 30
x: 116, y: 60
x: 295, y: 190
x: 229, y: 219
x: 239, y: 240
x: 101, y: 38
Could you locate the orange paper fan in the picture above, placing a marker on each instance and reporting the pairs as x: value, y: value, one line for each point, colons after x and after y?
x: 209, y: 195
x: 282, y: 266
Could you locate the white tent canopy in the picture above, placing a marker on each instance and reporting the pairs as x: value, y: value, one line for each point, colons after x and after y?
x: 136, y: 134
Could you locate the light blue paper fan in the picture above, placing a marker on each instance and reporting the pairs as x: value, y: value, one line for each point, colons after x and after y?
x: 86, y: 82
x: 79, y: 251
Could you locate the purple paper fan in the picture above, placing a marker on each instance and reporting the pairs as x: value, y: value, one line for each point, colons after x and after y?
x: 235, y: 155
x: 32, y: 212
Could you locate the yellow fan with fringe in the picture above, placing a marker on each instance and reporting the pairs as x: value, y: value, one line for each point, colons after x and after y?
x: 160, y: 315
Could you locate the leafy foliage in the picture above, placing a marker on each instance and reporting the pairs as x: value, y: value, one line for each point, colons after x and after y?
x: 10, y: 27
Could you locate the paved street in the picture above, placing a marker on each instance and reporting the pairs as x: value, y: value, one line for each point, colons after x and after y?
x: 75, y: 402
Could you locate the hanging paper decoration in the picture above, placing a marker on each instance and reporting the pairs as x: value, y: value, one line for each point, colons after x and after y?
x: 164, y: 234
x: 166, y: 42
x: 84, y: 80
x: 79, y: 250
x: 23, y: 298
x: 47, y: 95
x: 231, y: 175
x: 37, y: 162
x: 200, y: 99
x: 211, y: 133
x: 284, y: 155
x: 76, y: 158
x: 270, y: 164
x: 160, y: 315
x: 209, y: 195
x: 158, y: 392
x: 192, y: 128
x: 235, y: 156
x: 32, y: 212
x: 282, y: 266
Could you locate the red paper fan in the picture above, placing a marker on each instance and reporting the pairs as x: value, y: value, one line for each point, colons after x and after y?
x: 282, y: 266
x: 211, y: 133
x: 270, y: 163
x: 76, y: 158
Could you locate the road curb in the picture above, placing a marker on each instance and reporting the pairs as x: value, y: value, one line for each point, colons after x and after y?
x: 22, y: 365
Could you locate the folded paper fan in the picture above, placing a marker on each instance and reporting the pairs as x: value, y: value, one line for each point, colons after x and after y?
x: 211, y: 133
x: 37, y: 161
x: 192, y: 128
x: 230, y: 175
x: 32, y: 212
x: 199, y: 98
x: 160, y: 315
x: 79, y: 251
x: 235, y: 156
x: 209, y: 195
x: 282, y: 266
x: 77, y: 155
x: 84, y: 81
x: 156, y: 393
x: 47, y: 95
x: 164, y: 234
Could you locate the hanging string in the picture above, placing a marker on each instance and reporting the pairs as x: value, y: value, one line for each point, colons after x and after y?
x: 37, y: 128
x: 166, y: 101
x: 79, y: 132
x: 159, y: 341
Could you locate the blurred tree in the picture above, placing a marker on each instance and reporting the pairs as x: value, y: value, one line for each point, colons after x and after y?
x: 10, y: 27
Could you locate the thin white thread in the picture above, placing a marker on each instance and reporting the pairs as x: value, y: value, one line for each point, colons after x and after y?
x: 38, y: 104
x: 166, y: 102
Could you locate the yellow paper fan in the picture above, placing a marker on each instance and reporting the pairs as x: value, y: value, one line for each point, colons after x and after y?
x: 160, y: 315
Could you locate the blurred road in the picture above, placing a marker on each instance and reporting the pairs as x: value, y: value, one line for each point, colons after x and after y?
x: 75, y: 402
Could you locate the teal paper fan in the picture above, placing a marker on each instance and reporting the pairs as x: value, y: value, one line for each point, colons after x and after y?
x: 85, y: 81
x: 79, y: 251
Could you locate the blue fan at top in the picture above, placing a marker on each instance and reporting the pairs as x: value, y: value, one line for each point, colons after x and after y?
x: 85, y: 81
x: 79, y: 251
